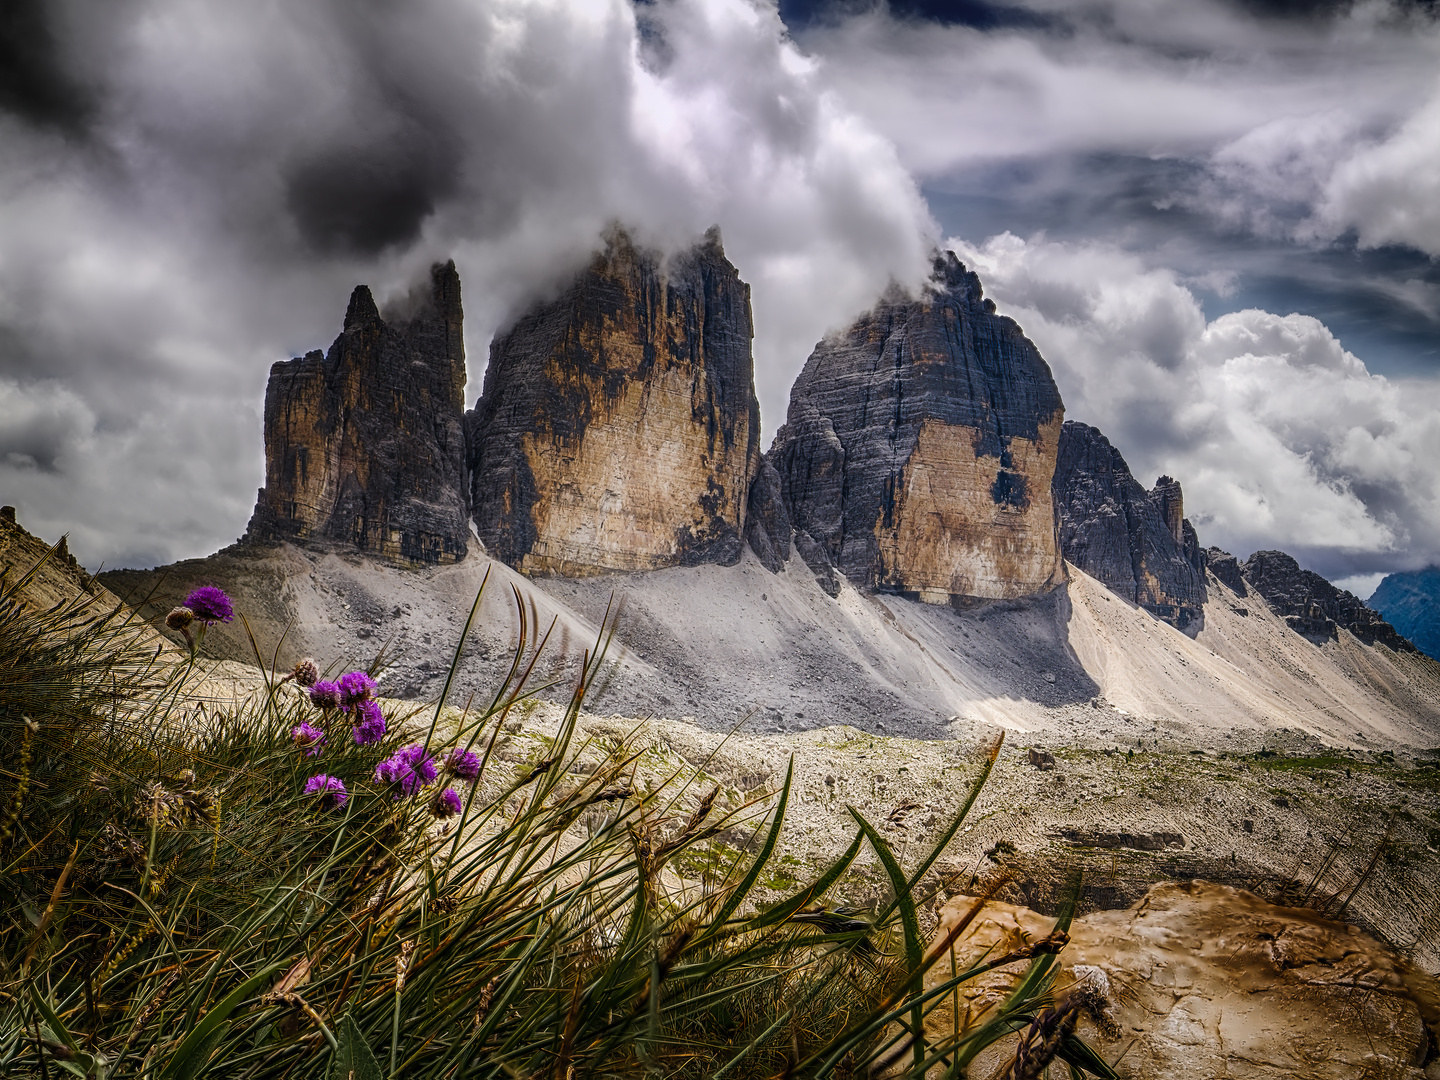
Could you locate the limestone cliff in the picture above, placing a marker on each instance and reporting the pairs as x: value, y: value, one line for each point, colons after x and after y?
x: 364, y: 445
x: 1312, y: 606
x: 1135, y: 541
x: 618, y: 428
x: 918, y: 449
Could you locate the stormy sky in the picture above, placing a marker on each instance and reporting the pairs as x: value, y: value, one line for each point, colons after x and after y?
x: 1218, y: 219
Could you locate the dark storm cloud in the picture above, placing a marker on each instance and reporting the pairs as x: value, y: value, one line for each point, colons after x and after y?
x: 35, y: 82
x: 202, y: 203
x: 978, y: 14
x: 364, y: 199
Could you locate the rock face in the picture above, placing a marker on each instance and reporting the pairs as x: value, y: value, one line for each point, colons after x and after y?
x: 618, y: 428
x: 1135, y: 541
x: 1226, y: 567
x: 1198, y: 981
x: 364, y: 445
x: 1411, y: 603
x: 918, y: 450
x: 1312, y: 606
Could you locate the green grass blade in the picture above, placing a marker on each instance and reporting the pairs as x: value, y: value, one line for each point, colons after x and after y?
x: 215, y: 1017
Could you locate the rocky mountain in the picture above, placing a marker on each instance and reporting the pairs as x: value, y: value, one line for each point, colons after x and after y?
x: 1136, y: 541
x: 618, y: 428
x: 918, y: 451
x: 1314, y: 608
x: 364, y: 445
x: 1411, y: 603
x: 924, y: 458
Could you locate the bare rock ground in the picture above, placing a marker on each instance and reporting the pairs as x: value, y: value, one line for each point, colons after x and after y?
x: 1206, y: 981
x: 717, y: 644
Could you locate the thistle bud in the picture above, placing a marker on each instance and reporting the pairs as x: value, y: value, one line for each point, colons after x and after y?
x: 306, y: 673
x: 180, y: 619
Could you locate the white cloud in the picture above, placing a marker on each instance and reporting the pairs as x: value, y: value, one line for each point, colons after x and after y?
x: 1279, y: 436
x: 1301, y: 128
x: 1389, y: 190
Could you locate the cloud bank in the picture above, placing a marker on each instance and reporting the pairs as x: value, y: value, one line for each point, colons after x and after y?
x: 1279, y: 436
x: 192, y: 189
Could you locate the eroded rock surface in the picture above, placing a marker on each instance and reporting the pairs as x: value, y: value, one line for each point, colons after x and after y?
x: 1136, y: 541
x: 1312, y: 606
x: 364, y: 445
x: 1209, y: 981
x: 919, y: 447
x: 618, y: 428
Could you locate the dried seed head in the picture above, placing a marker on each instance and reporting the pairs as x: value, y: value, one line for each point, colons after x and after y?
x: 201, y: 807
x: 306, y: 673
x: 155, y: 804
x: 180, y: 619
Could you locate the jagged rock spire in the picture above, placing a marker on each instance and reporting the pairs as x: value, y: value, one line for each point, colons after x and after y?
x: 364, y: 445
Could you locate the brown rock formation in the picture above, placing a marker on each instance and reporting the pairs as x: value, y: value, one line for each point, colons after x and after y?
x: 919, y: 446
x: 1198, y: 981
x: 618, y: 428
x: 364, y: 446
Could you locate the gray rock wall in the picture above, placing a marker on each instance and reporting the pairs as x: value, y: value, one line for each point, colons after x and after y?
x: 1312, y: 606
x: 1135, y: 541
x: 919, y: 446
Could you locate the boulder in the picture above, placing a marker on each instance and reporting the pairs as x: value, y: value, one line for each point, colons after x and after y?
x: 1135, y: 541
x: 618, y: 428
x: 364, y: 445
x: 1198, y: 981
x: 919, y: 446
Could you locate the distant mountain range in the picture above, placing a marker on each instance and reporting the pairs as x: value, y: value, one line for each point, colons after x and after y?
x: 1411, y: 602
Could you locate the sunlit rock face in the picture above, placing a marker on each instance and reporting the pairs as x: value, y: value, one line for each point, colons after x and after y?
x: 364, y: 445
x: 919, y: 447
x: 1198, y: 980
x: 618, y: 428
x: 1135, y: 541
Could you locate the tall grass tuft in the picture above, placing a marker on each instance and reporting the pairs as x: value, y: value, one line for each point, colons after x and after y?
x: 184, y: 899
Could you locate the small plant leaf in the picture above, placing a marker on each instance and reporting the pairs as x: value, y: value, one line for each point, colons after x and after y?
x: 354, y: 1059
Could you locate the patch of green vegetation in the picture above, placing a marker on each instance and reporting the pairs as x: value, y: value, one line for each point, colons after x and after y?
x: 1427, y: 779
x: 1326, y: 763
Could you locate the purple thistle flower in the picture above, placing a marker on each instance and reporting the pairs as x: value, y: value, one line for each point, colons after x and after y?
x: 308, y: 738
x: 325, y: 695
x: 355, y: 688
x: 210, y: 605
x: 396, y: 770
x: 446, y: 804
x: 408, y: 767
x: 424, y: 766
x: 463, y: 763
x: 371, y: 725
x: 331, y: 790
